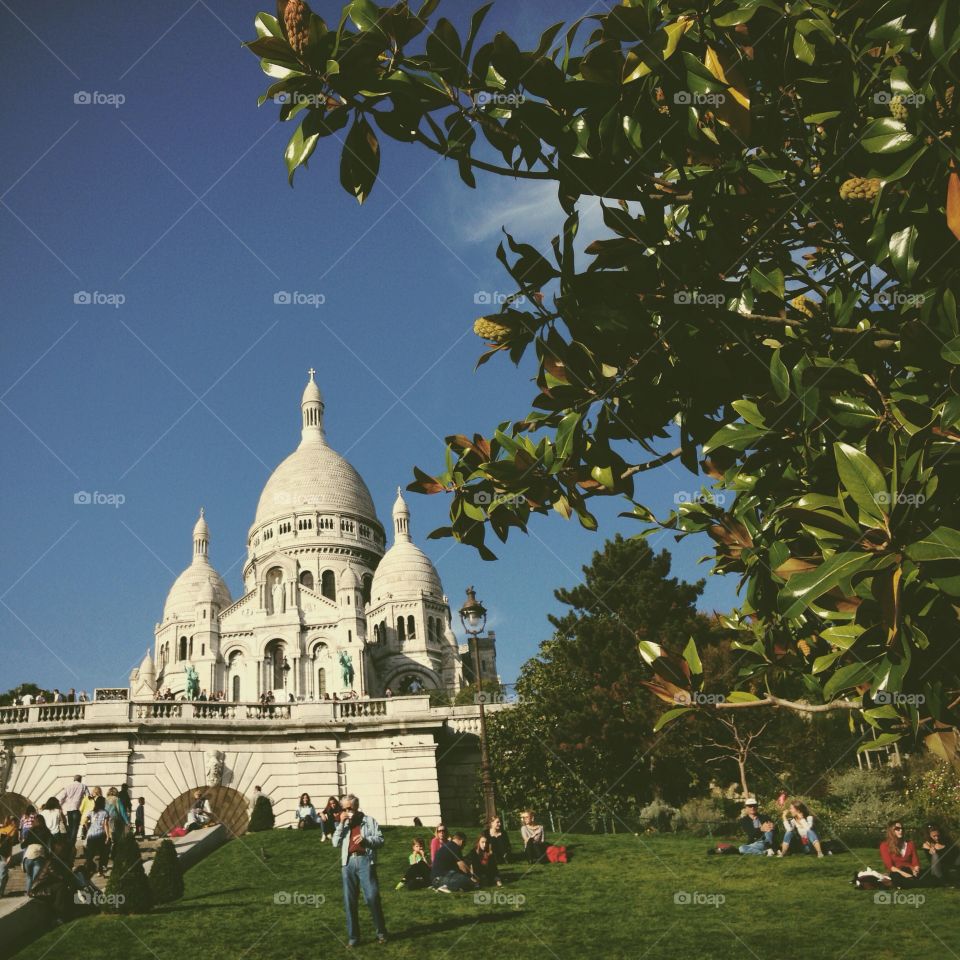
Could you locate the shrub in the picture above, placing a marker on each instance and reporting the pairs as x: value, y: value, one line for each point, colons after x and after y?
x: 261, y: 817
x: 934, y: 794
x: 703, y: 816
x: 127, y: 889
x: 658, y: 815
x: 166, y: 875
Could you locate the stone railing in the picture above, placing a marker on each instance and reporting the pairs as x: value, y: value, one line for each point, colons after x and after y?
x: 118, y: 712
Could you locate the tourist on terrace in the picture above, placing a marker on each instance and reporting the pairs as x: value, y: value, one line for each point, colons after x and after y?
x: 200, y: 813
x: 534, y: 840
x: 98, y: 836
x: 499, y: 839
x: 483, y: 863
x: 306, y: 814
x: 329, y: 817
x: 450, y: 872
x: 900, y: 856
x: 53, y: 817
x: 139, y: 827
x: 71, y: 797
x: 359, y: 838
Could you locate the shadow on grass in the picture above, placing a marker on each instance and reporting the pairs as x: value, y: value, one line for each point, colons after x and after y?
x: 442, y: 926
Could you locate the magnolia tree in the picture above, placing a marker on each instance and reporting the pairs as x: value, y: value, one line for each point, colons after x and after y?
x: 773, y: 307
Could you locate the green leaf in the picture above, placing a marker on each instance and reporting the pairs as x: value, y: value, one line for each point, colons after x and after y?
x: 670, y: 716
x: 650, y: 651
x: 360, y: 160
x: 901, y: 252
x: 779, y: 377
x: 803, y: 49
x: 884, y: 740
x: 940, y: 544
x: 951, y: 351
x: 741, y: 696
x: 803, y: 588
x: 736, y: 436
x: 692, y: 657
x: 886, y: 135
x: 862, y: 479
x: 298, y: 151
x: 852, y: 675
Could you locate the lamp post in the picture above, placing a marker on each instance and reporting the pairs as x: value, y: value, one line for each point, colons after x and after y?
x: 473, y: 616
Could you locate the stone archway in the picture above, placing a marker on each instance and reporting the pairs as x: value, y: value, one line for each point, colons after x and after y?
x: 229, y: 807
x: 12, y: 805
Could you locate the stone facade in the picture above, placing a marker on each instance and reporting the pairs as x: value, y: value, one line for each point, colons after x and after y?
x: 403, y: 758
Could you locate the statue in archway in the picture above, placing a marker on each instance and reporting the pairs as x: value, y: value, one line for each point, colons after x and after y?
x: 277, y: 594
x: 193, y: 682
x: 214, y: 760
x: 346, y: 667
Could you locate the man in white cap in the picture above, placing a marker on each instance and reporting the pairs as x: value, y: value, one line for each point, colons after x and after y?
x: 758, y: 829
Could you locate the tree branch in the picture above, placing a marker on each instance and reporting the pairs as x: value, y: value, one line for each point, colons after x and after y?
x: 797, y: 705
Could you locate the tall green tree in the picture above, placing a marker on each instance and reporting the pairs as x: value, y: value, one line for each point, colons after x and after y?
x: 774, y: 306
x: 580, y: 739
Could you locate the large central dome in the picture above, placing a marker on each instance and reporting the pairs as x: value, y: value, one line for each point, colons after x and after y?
x: 314, y: 478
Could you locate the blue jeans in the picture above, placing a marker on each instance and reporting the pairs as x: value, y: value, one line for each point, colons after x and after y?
x: 31, y: 868
x: 759, y: 846
x: 360, y: 874
x: 812, y: 838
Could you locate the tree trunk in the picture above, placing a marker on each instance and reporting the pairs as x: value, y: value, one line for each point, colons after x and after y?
x: 742, y: 764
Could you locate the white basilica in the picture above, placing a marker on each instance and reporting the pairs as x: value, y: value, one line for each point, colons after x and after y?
x: 326, y: 608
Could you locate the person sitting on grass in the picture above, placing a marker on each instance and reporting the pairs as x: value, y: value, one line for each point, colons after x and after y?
x: 307, y: 817
x: 900, y: 856
x: 483, y: 863
x: 942, y: 852
x: 766, y: 844
x: 534, y: 841
x: 437, y: 840
x: 451, y: 872
x: 750, y: 822
x: 329, y: 816
x: 499, y: 840
x: 417, y: 875
x: 799, y: 821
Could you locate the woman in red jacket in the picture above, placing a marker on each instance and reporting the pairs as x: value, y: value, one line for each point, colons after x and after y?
x: 900, y: 856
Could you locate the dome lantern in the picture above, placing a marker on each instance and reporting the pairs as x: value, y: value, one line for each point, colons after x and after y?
x: 311, y: 409
x: 201, y: 538
x: 401, y: 519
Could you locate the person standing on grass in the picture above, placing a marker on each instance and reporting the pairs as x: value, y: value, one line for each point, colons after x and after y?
x: 358, y: 836
x: 534, y: 840
x: 900, y: 856
x: 799, y: 821
x: 70, y: 797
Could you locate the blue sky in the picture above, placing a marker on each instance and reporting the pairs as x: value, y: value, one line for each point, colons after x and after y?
x: 186, y: 393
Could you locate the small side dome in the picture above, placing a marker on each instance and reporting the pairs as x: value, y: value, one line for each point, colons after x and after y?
x: 349, y: 579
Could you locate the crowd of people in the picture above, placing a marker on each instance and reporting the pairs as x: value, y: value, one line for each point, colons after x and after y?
x: 899, y: 854
x: 50, y: 696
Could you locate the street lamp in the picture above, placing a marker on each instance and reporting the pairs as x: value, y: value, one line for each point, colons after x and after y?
x: 473, y: 616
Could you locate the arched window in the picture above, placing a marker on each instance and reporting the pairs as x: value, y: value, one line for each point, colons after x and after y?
x: 367, y: 586
x: 321, y: 681
x: 411, y: 628
x: 328, y: 584
x: 236, y: 687
x: 306, y: 579
x: 183, y: 649
x: 431, y: 630
x: 376, y: 633
x: 401, y: 633
x: 191, y: 648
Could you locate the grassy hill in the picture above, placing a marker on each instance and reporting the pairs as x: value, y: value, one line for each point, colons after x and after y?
x: 277, y: 896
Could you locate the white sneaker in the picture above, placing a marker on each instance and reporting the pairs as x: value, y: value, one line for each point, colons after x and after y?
x: 771, y: 852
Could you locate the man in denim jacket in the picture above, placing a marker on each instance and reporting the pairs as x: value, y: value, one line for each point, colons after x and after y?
x: 358, y: 837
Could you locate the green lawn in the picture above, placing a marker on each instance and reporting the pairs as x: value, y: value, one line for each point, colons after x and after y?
x: 616, y: 898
